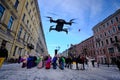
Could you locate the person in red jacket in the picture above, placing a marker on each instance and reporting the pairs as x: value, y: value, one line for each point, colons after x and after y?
x: 48, y: 62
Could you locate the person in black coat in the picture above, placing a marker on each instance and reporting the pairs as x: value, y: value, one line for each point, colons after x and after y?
x: 118, y: 63
x: 3, y: 52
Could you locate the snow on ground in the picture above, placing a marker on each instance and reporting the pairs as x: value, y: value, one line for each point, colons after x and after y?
x: 15, y: 72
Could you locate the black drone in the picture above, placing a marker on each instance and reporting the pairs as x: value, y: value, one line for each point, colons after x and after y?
x: 60, y: 24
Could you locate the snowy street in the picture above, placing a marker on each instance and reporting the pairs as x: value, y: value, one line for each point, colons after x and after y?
x: 15, y: 72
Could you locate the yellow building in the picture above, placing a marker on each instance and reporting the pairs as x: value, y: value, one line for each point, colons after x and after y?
x: 21, y: 28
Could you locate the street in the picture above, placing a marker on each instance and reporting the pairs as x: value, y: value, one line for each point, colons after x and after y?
x: 15, y: 72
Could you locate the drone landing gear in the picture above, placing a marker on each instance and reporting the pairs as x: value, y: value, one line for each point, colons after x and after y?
x: 65, y: 31
x: 51, y: 28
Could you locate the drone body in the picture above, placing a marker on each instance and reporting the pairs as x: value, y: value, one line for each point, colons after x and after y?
x: 60, y: 24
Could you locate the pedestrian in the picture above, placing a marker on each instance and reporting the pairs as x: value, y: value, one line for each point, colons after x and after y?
x: 93, y: 62
x: 118, y: 63
x: 3, y: 54
x: 98, y: 64
x: 54, y: 61
x: 19, y: 58
x: 74, y: 63
x: 24, y: 61
x: 82, y: 61
x: 68, y: 61
x: 40, y: 62
x: 62, y: 63
x: 48, y: 62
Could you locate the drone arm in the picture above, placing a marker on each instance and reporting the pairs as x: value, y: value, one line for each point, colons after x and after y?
x: 51, y: 20
x: 68, y: 23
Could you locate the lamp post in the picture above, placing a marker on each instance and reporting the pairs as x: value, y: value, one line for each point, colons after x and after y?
x: 57, y: 49
x: 67, y: 49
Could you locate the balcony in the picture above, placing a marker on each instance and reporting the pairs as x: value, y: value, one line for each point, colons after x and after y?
x: 30, y: 46
x: 98, y: 40
x: 116, y: 43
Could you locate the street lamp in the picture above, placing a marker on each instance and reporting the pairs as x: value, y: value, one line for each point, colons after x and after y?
x: 57, y: 49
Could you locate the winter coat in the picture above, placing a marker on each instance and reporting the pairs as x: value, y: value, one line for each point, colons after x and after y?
x: 3, y: 52
x: 54, y: 60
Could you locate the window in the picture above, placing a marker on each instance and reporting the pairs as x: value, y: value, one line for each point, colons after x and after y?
x: 24, y: 36
x: 10, y: 22
x: 2, y: 9
x: 23, y: 17
x: 31, y: 2
x: 15, y: 50
x: 111, y: 40
x: 102, y: 43
x: 27, y: 22
x: 119, y: 27
x: 28, y: 38
x: 19, y: 51
x: 114, y: 29
x: 26, y: 5
x: 103, y: 51
x: 29, y: 12
x: 118, y: 48
x: 100, y: 35
x: 4, y: 42
x: 116, y: 19
x: 103, y: 26
x: 16, y: 4
x: 34, y: 9
x: 99, y: 44
x: 111, y: 50
x: 112, y: 21
x: 109, y: 32
x: 107, y: 23
x: 116, y: 39
x: 105, y: 33
x: 19, y: 33
x: 107, y: 41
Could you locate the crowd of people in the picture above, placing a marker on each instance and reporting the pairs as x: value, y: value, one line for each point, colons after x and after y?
x: 71, y: 62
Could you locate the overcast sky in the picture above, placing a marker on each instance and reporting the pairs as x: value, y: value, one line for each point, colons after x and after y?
x: 87, y: 14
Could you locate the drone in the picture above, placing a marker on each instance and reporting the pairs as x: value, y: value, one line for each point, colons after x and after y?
x: 60, y: 24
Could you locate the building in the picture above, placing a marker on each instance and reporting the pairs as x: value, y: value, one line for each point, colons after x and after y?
x: 86, y: 47
x: 107, y: 38
x: 20, y: 27
x: 64, y: 53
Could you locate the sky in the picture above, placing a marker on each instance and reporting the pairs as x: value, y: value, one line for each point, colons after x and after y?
x: 87, y: 13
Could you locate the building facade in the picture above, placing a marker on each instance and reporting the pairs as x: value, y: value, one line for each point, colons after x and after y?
x: 107, y: 38
x: 20, y: 27
x: 86, y: 47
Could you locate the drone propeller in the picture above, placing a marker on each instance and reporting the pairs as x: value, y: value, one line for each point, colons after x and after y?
x: 71, y: 21
x: 48, y: 17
